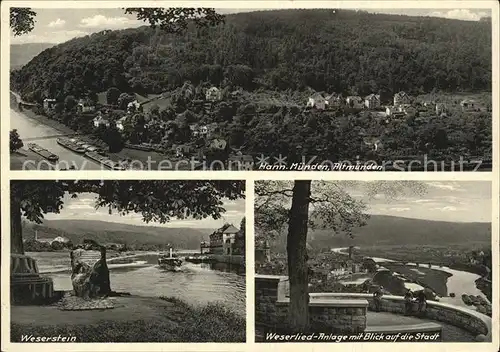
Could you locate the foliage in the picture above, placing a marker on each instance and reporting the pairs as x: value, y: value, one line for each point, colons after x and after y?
x: 112, y: 95
x: 304, y: 48
x: 156, y: 201
x: 22, y: 20
x: 15, y: 141
x: 192, y: 324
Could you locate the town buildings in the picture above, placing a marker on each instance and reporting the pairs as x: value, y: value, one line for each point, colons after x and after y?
x: 401, y: 98
x: 223, y: 239
x: 372, y: 101
x: 317, y: 101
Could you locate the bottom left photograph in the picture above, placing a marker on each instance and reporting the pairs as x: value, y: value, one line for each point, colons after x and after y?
x: 127, y: 261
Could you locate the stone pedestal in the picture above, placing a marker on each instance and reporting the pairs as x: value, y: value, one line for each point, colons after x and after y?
x: 26, y: 284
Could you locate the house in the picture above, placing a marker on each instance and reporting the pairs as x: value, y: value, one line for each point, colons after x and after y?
x: 213, y: 94
x: 85, y: 106
x: 262, y: 252
x: 401, y: 98
x: 333, y: 100
x: 355, y: 102
x: 317, y: 101
x: 441, y: 109
x: 100, y: 121
x: 469, y: 105
x: 133, y: 106
x: 222, y: 240
x: 372, y: 101
x: 119, y: 122
x: 61, y: 239
x: 48, y: 104
x: 241, y: 161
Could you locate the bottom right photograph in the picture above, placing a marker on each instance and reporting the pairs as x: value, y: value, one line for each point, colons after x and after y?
x: 374, y: 261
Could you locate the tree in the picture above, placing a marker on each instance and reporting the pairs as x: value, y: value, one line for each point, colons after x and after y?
x: 173, y: 20
x: 15, y: 141
x: 69, y: 103
x: 317, y: 203
x: 156, y: 201
x: 22, y: 20
x: 112, y: 95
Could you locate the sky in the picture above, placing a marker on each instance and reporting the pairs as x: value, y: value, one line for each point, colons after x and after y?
x: 60, y: 25
x: 83, y: 208
x: 443, y: 201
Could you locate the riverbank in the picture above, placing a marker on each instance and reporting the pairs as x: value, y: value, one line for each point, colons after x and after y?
x: 143, y: 160
x: 25, y: 159
x: 133, y: 319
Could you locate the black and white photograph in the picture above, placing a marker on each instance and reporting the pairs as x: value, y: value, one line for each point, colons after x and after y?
x: 285, y: 89
x: 127, y: 261
x: 373, y: 261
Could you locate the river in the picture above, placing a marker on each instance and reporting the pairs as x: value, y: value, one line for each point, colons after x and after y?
x: 196, y: 284
x: 459, y: 282
x: 31, y: 128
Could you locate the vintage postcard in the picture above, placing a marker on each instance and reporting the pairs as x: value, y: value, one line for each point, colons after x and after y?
x: 397, y: 261
x: 329, y: 89
x: 239, y: 176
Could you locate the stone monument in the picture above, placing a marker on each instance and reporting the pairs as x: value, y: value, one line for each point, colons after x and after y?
x: 27, y: 286
x: 90, y: 273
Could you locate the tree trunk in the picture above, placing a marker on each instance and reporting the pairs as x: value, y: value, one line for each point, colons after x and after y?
x: 297, y: 257
x: 16, y: 229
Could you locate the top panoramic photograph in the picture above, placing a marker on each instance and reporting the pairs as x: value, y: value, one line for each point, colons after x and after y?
x: 251, y: 89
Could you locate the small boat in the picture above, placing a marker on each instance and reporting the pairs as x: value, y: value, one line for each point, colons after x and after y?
x: 43, y: 152
x: 169, y: 262
x: 144, y: 147
x: 104, y: 161
x: 67, y: 143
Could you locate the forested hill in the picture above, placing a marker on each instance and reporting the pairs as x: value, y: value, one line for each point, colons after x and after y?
x: 345, y: 51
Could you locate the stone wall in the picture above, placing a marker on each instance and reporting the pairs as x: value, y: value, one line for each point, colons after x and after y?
x: 326, y: 315
x: 229, y: 259
x: 469, y: 320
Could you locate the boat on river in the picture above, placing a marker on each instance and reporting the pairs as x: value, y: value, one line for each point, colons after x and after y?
x: 43, y: 152
x: 143, y: 146
x: 110, y: 164
x: 169, y: 262
x: 68, y: 144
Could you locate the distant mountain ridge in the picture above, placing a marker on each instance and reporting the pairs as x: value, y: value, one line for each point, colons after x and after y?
x: 387, y: 230
x: 111, y: 232
x: 21, y: 54
x: 341, y: 51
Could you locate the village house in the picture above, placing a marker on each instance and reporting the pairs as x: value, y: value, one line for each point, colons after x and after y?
x: 213, y: 94
x: 441, y: 109
x: 85, y: 106
x: 222, y: 240
x: 372, y: 101
x: 333, y: 100
x: 317, y: 101
x: 119, y: 122
x: 99, y: 120
x: 48, y: 104
x: 355, y: 102
x: 469, y: 105
x: 61, y: 239
x: 133, y: 106
x: 401, y: 98
x: 262, y: 251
